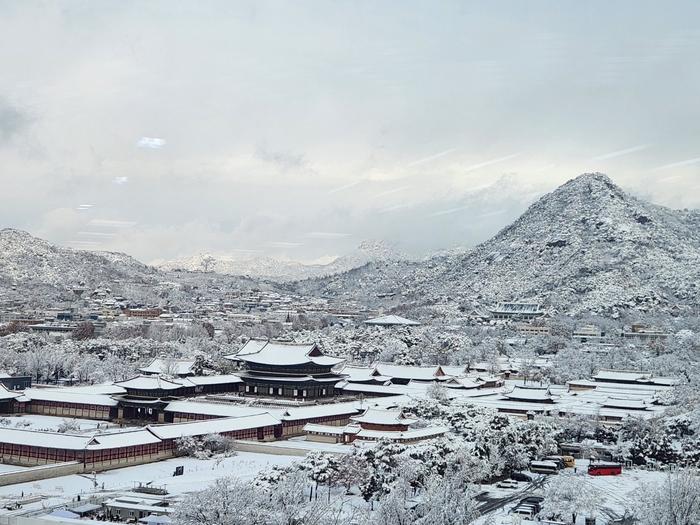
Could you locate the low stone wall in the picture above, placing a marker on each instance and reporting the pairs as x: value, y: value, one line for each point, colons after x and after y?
x: 53, y: 470
x: 23, y: 520
x: 127, y: 462
x: 263, y: 448
x: 260, y: 447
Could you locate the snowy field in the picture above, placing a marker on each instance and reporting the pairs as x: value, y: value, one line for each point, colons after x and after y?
x: 52, y: 423
x: 198, y: 474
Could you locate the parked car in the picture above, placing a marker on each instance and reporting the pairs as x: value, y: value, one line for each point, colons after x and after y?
x: 523, y: 509
x: 507, y: 484
x: 533, y: 501
x: 521, y: 476
x: 544, y: 467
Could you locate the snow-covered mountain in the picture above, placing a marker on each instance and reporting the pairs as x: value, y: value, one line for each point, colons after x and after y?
x: 283, y: 269
x: 585, y: 246
x: 29, y: 262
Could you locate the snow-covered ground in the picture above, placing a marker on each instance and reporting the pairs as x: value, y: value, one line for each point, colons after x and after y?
x: 51, y: 423
x: 198, y: 474
x: 615, y: 493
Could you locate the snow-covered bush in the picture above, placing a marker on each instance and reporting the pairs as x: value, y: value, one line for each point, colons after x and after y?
x: 68, y: 426
x: 205, y: 447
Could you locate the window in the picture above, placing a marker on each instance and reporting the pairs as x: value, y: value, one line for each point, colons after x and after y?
x: 296, y: 392
x: 323, y: 391
x: 272, y: 390
x: 279, y: 391
x: 303, y: 393
x: 247, y: 388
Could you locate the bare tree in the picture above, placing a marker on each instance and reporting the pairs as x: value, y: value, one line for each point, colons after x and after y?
x: 676, y: 502
x: 84, y: 330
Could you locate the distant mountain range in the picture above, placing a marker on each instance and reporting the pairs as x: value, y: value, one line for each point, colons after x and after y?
x: 587, y: 246
x: 274, y: 269
x: 36, y: 266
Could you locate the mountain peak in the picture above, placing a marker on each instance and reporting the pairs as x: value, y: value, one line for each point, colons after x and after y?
x: 593, y: 184
x: 586, y: 246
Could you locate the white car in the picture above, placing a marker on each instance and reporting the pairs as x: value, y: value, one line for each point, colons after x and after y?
x: 507, y: 484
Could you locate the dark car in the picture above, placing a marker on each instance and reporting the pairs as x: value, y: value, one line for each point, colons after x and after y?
x: 520, y: 476
x: 534, y: 501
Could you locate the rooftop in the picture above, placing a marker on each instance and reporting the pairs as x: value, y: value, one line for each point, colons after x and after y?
x: 282, y: 354
x: 391, y: 320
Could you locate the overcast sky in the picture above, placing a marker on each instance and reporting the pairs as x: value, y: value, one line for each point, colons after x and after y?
x: 299, y: 128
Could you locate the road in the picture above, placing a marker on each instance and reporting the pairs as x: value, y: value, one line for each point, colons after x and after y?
x: 492, y: 504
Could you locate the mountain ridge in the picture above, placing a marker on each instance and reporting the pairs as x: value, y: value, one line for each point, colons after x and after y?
x: 587, y: 245
x: 282, y: 270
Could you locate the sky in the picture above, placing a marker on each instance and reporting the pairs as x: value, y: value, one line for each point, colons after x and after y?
x: 165, y: 129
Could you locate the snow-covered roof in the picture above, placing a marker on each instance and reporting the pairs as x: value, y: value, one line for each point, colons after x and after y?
x: 213, y: 426
x: 417, y: 373
x: 621, y: 375
x: 6, y: 394
x: 331, y: 429
x: 410, y: 434
x: 169, y: 366
x: 283, y: 354
x: 527, y: 393
x: 363, y: 433
x: 142, y: 382
x: 412, y: 388
x: 122, y: 439
x: 633, y: 404
x: 213, y: 380
x: 99, y: 388
x: 34, y: 438
x: 378, y: 416
x: 391, y: 320
x: 328, y: 409
x: 516, y: 308
x: 68, y: 395
x: 152, y: 519
x: 361, y: 373
x: 213, y: 409
x: 296, y: 378
x: 463, y: 382
x: 615, y: 388
x: 455, y: 371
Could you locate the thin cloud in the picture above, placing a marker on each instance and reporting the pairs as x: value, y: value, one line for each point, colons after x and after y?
x: 83, y: 243
x: 327, y: 235
x: 97, y: 234
x: 120, y: 180
x: 448, y: 211
x: 106, y: 223
x: 490, y: 214
x: 345, y: 187
x: 284, y: 244
x: 390, y: 192
x: 431, y: 158
x: 677, y: 164
x: 620, y: 153
x: 393, y: 208
x: 151, y: 142
x: 490, y: 162
x: 245, y: 250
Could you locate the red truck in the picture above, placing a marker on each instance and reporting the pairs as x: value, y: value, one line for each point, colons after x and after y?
x: 601, y: 468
